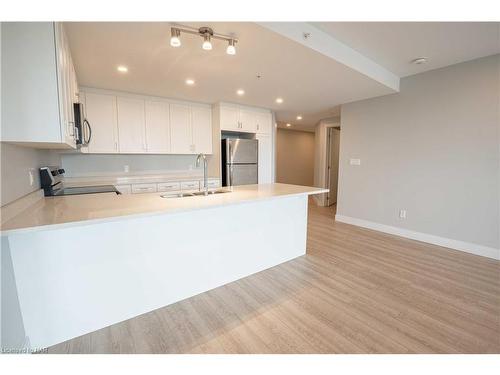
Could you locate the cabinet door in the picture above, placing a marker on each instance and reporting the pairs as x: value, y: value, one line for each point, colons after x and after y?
x: 100, y: 112
x: 157, y: 127
x: 248, y: 121
x: 265, y: 158
x: 64, y: 86
x: 201, y: 121
x: 230, y: 118
x: 181, y: 138
x: 264, y: 123
x: 131, y: 125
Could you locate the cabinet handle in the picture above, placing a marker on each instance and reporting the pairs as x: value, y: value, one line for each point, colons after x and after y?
x: 116, y: 146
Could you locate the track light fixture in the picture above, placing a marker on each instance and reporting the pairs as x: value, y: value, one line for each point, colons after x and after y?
x: 207, y: 34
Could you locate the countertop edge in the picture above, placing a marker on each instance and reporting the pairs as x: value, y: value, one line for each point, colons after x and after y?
x: 8, y: 232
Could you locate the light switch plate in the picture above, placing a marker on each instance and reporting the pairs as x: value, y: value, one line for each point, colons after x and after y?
x: 355, y: 161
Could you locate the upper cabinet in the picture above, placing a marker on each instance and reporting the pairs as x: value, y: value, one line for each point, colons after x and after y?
x: 132, y: 124
x: 157, y: 127
x: 100, y: 111
x: 38, y: 85
x: 180, y: 129
x: 201, y: 120
x: 243, y: 119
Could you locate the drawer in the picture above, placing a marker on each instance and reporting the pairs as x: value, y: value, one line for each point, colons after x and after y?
x: 124, y: 189
x: 169, y: 186
x: 143, y: 188
x: 190, y: 185
x: 213, y: 183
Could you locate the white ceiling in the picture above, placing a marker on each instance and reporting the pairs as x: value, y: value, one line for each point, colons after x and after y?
x: 395, y: 44
x: 312, y: 84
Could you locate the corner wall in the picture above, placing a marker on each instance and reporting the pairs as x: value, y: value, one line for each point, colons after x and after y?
x: 295, y: 157
x: 432, y: 149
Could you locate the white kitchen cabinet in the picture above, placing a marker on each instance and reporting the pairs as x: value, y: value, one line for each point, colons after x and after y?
x: 180, y: 129
x: 144, y: 188
x: 190, y: 185
x: 131, y: 125
x: 229, y: 118
x: 169, y: 186
x: 37, y: 89
x: 201, y: 121
x: 124, y: 189
x: 243, y: 119
x: 264, y: 122
x: 265, y: 158
x: 100, y: 111
x: 248, y: 121
x: 157, y: 127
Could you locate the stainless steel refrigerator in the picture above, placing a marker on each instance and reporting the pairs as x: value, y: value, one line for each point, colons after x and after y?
x: 239, y: 162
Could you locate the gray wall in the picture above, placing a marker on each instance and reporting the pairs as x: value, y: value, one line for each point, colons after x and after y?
x: 432, y: 149
x: 295, y: 157
x: 16, y: 162
x: 97, y: 165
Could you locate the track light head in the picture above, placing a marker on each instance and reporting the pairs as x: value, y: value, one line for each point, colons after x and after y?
x: 231, y: 49
x: 175, y: 40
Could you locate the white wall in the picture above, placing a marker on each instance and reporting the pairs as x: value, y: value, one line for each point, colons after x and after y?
x: 16, y: 162
x: 432, y: 149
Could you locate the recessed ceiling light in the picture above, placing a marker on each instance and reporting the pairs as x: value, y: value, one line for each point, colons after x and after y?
x: 299, y: 117
x: 240, y: 92
x: 420, y: 60
x: 288, y: 125
x: 122, y: 69
x: 279, y: 100
x: 190, y: 82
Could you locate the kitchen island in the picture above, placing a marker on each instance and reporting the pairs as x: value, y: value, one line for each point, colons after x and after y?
x: 75, y: 264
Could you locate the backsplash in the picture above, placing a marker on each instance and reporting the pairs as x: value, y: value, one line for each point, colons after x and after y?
x: 81, y: 165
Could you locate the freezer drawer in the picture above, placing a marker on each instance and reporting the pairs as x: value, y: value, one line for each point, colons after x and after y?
x: 241, y: 174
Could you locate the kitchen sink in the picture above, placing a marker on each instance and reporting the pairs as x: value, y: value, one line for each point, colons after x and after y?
x: 195, y: 194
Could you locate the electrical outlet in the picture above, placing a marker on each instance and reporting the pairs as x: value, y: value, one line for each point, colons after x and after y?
x: 355, y: 161
x: 402, y: 214
x: 31, y: 177
x: 126, y: 168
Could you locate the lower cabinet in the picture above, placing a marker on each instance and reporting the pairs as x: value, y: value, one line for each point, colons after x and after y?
x: 161, y: 187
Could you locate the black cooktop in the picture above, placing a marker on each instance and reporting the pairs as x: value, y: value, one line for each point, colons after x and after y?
x: 86, y: 190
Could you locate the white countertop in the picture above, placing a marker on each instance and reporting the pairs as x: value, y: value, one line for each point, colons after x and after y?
x: 52, y: 212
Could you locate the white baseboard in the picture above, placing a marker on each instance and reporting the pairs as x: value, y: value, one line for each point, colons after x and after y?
x: 467, y: 247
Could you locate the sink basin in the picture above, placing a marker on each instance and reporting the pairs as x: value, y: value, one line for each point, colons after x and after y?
x: 211, y: 192
x: 197, y: 193
x: 178, y: 195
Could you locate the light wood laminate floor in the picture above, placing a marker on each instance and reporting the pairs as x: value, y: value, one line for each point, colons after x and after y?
x: 356, y: 291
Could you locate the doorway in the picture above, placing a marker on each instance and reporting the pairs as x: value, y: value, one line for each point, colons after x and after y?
x: 332, y: 165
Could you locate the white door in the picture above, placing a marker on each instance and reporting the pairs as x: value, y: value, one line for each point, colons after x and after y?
x: 100, y: 111
x: 131, y: 125
x: 229, y: 118
x: 248, y: 121
x: 333, y: 164
x: 157, y: 127
x: 180, y: 129
x: 265, y: 158
x: 264, y: 122
x: 201, y: 121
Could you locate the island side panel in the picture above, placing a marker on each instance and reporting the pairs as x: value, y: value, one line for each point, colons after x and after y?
x: 75, y: 280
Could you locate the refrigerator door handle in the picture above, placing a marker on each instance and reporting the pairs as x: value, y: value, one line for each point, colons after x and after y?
x: 230, y: 175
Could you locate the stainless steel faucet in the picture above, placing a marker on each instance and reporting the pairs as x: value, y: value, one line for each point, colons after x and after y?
x: 205, y: 173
